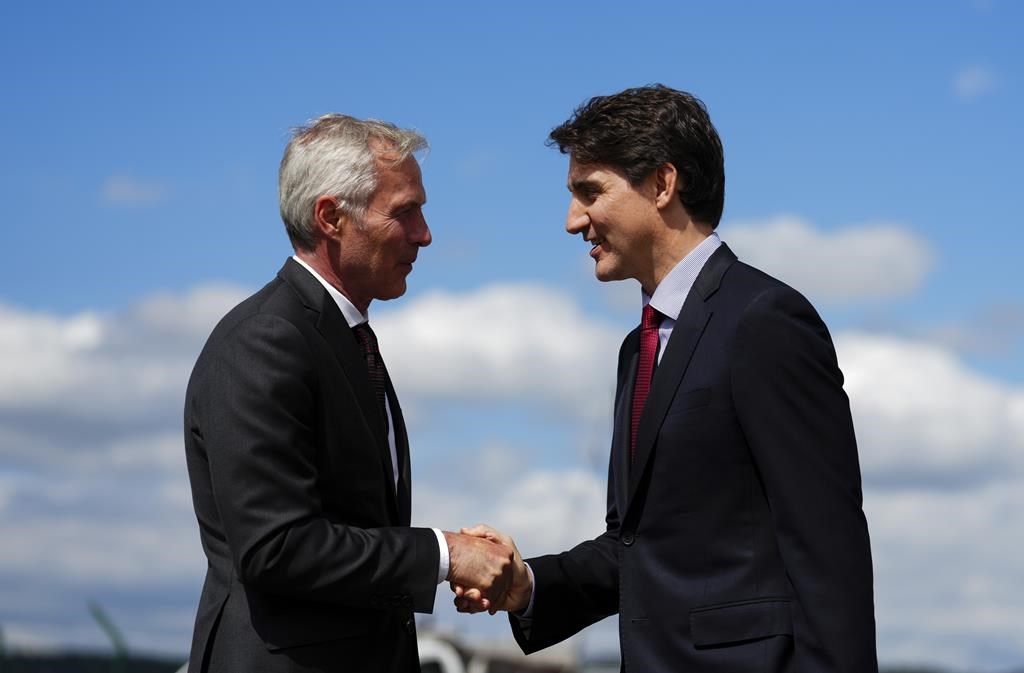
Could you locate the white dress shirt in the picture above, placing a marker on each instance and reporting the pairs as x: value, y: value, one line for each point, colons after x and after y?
x: 353, y: 317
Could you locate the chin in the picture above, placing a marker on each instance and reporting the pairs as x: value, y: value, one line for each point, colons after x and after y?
x: 605, y: 275
x: 393, y: 292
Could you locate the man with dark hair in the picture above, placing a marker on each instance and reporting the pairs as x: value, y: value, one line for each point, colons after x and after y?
x: 735, y: 536
x: 296, y: 447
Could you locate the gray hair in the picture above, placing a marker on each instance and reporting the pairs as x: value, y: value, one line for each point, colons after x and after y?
x: 332, y: 156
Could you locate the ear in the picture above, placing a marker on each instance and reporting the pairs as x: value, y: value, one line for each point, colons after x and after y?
x: 328, y: 217
x: 666, y: 181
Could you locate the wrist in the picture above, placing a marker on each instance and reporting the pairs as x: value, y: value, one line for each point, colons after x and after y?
x: 524, y: 596
x: 450, y: 540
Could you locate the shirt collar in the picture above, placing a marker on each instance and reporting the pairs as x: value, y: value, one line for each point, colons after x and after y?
x: 671, y: 292
x: 353, y: 316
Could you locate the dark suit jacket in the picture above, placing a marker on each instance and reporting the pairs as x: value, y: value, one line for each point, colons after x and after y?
x: 312, y: 566
x: 736, y: 540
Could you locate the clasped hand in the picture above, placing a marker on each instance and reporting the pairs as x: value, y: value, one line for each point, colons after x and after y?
x: 486, y: 572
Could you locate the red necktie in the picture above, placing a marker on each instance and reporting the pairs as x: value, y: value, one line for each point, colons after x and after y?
x: 649, y: 322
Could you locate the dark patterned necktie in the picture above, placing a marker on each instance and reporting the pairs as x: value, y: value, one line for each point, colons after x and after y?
x: 374, y: 366
x: 649, y: 322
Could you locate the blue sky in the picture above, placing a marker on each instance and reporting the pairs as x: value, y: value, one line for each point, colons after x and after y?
x: 872, y: 155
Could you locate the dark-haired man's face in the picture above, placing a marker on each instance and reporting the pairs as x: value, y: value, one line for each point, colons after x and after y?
x: 619, y: 221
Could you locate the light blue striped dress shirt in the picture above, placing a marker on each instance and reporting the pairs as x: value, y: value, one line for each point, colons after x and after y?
x: 670, y: 294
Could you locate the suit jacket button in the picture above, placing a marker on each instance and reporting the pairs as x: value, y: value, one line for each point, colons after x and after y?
x: 410, y: 626
x: 627, y: 538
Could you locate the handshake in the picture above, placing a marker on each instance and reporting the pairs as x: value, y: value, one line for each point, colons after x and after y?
x: 486, y: 572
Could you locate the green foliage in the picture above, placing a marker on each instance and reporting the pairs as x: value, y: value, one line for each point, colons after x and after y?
x: 113, y: 633
x: 117, y: 664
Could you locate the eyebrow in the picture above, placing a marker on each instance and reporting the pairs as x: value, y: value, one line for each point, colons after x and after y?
x: 582, y: 183
x: 410, y: 202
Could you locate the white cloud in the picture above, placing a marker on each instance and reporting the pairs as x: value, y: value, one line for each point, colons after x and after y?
x: 90, y: 549
x: 96, y: 499
x: 949, y: 586
x: 995, y: 330
x: 941, y: 448
x: 6, y: 492
x: 942, y: 452
x: 501, y: 342
x: 126, y: 190
x: 544, y: 510
x: 107, y: 368
x: 921, y: 414
x: 974, y: 81
x: 866, y: 262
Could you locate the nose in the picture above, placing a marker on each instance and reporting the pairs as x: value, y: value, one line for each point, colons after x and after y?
x: 576, y: 220
x: 419, y: 232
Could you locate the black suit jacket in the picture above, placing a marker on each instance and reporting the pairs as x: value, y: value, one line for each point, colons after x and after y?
x: 735, y: 541
x: 312, y: 565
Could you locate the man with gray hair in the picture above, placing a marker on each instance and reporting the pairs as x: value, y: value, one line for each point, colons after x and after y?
x: 296, y: 447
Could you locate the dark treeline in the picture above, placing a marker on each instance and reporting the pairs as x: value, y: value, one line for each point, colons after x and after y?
x: 84, y: 663
x: 96, y: 663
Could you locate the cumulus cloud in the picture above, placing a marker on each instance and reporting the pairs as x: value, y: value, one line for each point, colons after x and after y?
x: 974, y: 81
x: 942, y: 454
x: 126, y: 190
x: 866, y: 262
x: 996, y: 330
x: 101, y: 551
x: 941, y: 451
x: 94, y: 501
x: 922, y: 416
x: 501, y: 342
x: 948, y: 578
x: 544, y: 510
x: 92, y: 367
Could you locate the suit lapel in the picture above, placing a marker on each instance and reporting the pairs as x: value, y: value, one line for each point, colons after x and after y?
x: 404, y: 489
x: 690, y: 325
x: 623, y: 419
x: 339, y: 336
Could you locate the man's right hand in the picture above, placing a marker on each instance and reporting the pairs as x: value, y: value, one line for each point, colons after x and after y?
x: 483, y: 564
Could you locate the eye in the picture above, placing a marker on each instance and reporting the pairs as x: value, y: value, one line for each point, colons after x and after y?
x: 408, y: 212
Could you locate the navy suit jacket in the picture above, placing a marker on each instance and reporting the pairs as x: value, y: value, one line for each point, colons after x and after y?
x: 735, y: 540
x: 312, y: 565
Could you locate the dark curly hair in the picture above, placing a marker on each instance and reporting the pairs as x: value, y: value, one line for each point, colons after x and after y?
x: 639, y: 129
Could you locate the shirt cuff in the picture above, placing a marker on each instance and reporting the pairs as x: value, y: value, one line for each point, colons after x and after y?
x: 445, y: 560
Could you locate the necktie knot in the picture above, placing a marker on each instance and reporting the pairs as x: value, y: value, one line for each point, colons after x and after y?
x: 367, y: 339
x: 650, y: 318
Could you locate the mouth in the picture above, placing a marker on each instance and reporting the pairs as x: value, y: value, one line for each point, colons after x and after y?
x: 595, y: 246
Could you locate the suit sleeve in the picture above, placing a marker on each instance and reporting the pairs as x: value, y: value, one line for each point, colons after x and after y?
x: 579, y: 587
x: 572, y: 590
x: 258, y: 412
x: 795, y: 415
